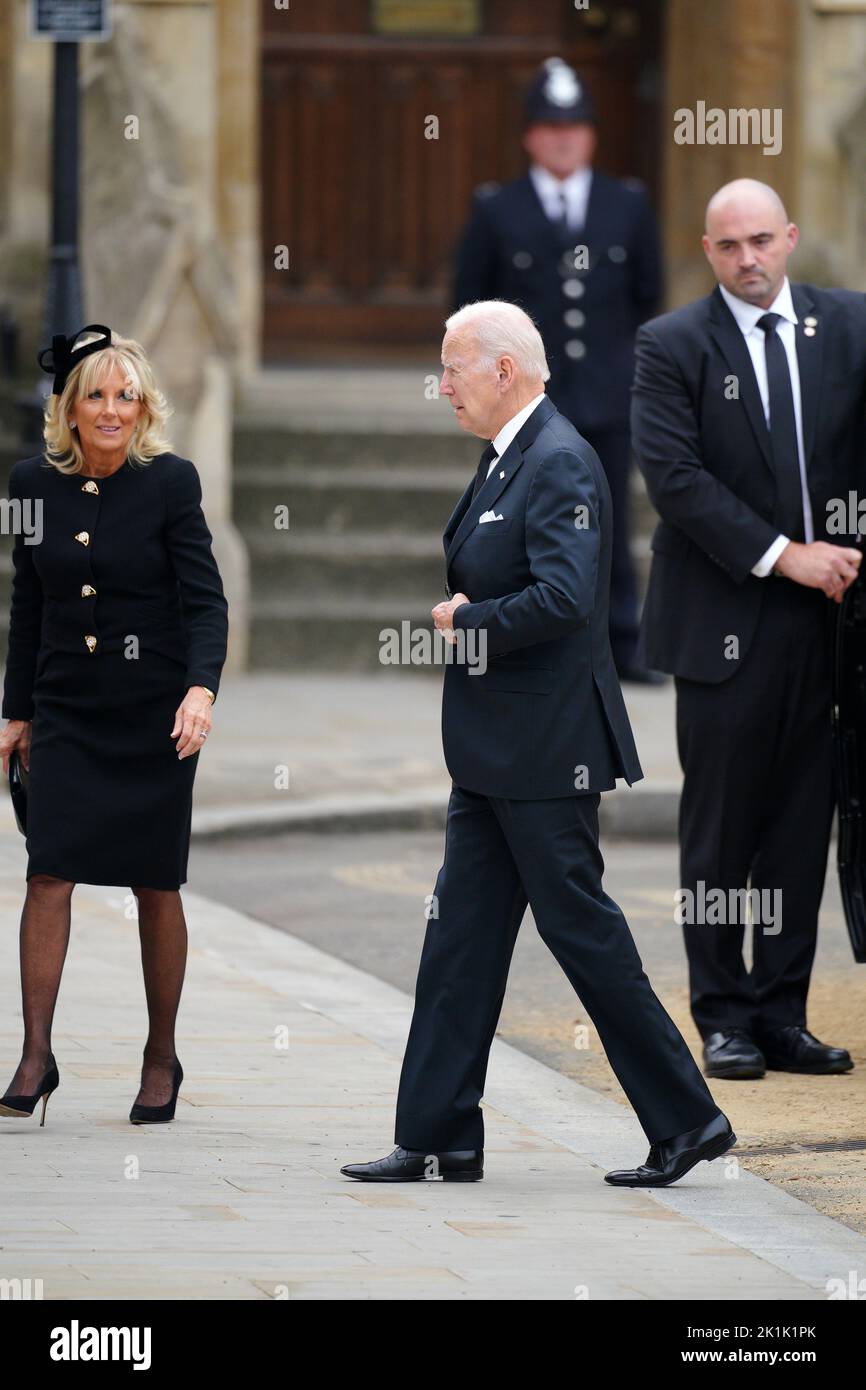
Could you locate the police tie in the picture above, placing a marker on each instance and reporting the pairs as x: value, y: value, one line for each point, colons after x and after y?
x: 783, y: 433
x: 481, y: 476
x: 564, y: 230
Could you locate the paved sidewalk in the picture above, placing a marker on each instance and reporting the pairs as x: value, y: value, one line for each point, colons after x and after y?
x: 241, y: 1197
x: 366, y: 750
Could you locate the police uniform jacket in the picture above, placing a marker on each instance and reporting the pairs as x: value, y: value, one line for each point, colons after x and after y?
x: 587, y: 316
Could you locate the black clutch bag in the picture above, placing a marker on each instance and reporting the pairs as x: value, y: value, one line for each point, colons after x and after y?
x: 18, y: 779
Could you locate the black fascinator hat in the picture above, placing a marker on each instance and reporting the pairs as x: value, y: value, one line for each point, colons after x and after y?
x: 65, y: 355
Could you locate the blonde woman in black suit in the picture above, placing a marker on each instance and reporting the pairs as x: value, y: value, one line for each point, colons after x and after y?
x: 117, y: 640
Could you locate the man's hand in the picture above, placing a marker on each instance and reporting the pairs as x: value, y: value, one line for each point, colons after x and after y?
x: 16, y: 735
x: 819, y: 565
x: 443, y: 616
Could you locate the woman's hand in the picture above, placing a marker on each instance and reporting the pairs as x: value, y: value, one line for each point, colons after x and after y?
x: 192, y: 721
x: 17, y: 735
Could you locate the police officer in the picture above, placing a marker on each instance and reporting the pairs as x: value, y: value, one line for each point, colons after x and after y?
x: 580, y: 253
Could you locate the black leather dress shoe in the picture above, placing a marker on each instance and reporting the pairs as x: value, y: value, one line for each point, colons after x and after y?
x: 411, y: 1165
x: 669, y: 1160
x: 732, y: 1055
x: 795, y: 1049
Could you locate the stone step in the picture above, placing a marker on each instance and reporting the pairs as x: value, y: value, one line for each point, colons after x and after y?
x: 324, y: 565
x: 377, y: 399
x: 305, y: 453
x: 268, y: 447
x: 346, y: 499
x: 332, y: 635
x: 341, y: 499
x: 329, y: 566
x: 363, y: 551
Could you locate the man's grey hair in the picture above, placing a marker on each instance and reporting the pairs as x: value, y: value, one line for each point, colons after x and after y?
x: 502, y: 329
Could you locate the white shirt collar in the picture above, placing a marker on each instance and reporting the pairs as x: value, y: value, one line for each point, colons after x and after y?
x: 548, y: 184
x: 747, y: 315
x: 512, y: 427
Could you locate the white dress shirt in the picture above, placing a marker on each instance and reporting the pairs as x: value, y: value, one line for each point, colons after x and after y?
x: 511, y: 428
x: 575, y: 190
x: 747, y: 316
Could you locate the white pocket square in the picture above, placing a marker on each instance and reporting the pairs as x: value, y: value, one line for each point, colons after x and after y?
x: 490, y: 516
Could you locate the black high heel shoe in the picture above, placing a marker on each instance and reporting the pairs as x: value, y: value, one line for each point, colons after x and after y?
x: 25, y: 1105
x: 158, y: 1114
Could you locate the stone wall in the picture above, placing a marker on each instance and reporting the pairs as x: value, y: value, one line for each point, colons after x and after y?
x: 830, y: 203
x: 741, y: 54
x: 807, y: 59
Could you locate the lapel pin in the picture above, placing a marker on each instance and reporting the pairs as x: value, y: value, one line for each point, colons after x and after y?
x: 502, y: 475
x: 811, y: 322
x: 810, y: 332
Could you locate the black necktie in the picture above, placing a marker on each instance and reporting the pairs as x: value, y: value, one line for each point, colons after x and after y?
x: 563, y: 229
x: 481, y: 476
x: 783, y: 433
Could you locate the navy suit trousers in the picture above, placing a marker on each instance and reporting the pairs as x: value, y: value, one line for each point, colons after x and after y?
x: 500, y: 855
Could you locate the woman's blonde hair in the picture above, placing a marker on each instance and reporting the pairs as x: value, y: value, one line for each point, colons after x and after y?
x: 62, y: 446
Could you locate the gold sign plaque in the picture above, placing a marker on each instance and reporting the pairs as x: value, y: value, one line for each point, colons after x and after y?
x: 453, y: 17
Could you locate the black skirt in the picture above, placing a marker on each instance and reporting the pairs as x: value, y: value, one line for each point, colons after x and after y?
x: 109, y: 801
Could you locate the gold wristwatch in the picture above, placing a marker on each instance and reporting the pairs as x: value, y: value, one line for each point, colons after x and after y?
x: 210, y: 693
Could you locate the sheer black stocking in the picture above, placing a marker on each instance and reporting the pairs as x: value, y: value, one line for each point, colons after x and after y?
x: 44, y: 937
x: 162, y: 931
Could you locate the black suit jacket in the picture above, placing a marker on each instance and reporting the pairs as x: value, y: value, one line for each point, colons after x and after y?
x: 510, y: 250
x: 549, y: 703
x: 707, y: 461
x: 149, y: 561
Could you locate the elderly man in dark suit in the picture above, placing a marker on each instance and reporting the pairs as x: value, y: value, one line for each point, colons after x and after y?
x: 530, y: 741
x: 749, y: 423
x: 579, y: 251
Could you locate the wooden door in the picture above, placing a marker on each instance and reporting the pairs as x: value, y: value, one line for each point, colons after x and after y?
x: 365, y: 205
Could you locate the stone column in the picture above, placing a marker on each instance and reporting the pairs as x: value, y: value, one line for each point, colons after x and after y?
x: 238, y: 181
x: 741, y: 54
x: 830, y: 206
